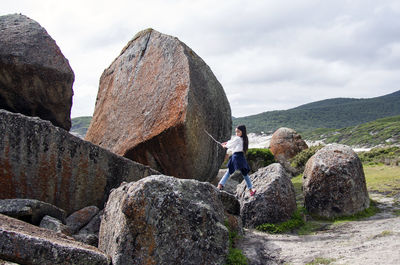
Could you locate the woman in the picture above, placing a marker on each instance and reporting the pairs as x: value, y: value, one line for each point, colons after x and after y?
x: 239, y: 145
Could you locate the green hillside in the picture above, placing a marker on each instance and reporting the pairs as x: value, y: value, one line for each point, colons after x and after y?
x: 331, y: 113
x: 378, y: 132
x: 80, y: 125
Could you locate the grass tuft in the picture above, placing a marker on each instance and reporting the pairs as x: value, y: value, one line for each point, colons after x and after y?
x: 293, y: 223
x: 318, y: 261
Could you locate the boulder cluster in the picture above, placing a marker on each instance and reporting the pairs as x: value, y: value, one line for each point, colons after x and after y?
x: 137, y: 190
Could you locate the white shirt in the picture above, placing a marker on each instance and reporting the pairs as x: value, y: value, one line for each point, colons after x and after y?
x: 235, y: 144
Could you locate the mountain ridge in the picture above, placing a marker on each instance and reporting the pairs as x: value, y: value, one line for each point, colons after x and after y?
x: 329, y: 113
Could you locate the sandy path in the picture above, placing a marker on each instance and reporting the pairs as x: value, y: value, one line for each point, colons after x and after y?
x: 375, y: 240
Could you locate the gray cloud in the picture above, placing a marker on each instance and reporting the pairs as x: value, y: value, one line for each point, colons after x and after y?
x: 267, y: 54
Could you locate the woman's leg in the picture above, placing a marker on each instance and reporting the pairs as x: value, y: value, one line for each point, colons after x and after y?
x: 248, y: 181
x: 224, y: 178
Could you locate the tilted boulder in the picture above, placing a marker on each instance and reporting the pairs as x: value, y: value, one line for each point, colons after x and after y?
x: 286, y: 143
x: 46, y: 163
x: 334, y: 183
x: 28, y: 244
x: 154, y: 103
x: 29, y: 210
x: 164, y: 220
x: 35, y: 77
x: 275, y: 200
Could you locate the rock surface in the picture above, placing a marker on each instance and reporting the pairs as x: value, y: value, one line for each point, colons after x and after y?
x: 29, y: 210
x: 154, y: 103
x: 275, y: 200
x: 286, y: 143
x: 27, y: 244
x: 93, y: 226
x: 35, y: 77
x: 334, y: 182
x: 80, y: 218
x: 46, y: 163
x: 164, y: 220
x: 55, y: 225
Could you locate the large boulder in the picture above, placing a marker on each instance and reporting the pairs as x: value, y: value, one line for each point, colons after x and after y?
x: 164, y: 220
x: 35, y: 77
x: 46, y: 163
x: 28, y: 244
x: 286, y: 143
x: 275, y: 200
x: 154, y: 103
x: 334, y: 183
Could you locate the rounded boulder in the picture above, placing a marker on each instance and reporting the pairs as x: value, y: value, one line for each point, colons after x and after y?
x: 286, y: 143
x: 334, y: 183
x: 35, y: 77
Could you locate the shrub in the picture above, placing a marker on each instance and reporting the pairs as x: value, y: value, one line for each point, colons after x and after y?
x: 259, y: 157
x: 300, y: 160
x: 387, y: 155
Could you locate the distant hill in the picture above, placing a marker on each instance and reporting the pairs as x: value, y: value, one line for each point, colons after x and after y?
x: 379, y: 132
x: 80, y: 126
x: 330, y: 113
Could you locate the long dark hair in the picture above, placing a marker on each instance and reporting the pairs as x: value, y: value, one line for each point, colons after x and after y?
x: 242, y: 128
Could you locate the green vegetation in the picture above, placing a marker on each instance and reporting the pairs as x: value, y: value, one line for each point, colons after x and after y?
x: 383, y: 179
x: 382, y: 155
x: 298, y: 189
x: 378, y: 132
x: 235, y: 256
x: 80, y: 125
x: 331, y: 113
x: 370, y: 211
x: 293, y: 223
x: 383, y: 234
x: 300, y: 160
x: 259, y: 157
x: 319, y: 261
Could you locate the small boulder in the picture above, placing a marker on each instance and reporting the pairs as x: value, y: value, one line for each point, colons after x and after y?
x: 55, y: 225
x: 30, y: 210
x: 80, y: 218
x: 334, y: 183
x: 93, y: 226
x: 155, y: 102
x: 275, y: 200
x: 35, y: 77
x: 286, y: 143
x: 24, y: 243
x: 164, y: 220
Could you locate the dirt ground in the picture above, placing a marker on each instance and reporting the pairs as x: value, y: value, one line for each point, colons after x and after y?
x: 375, y: 240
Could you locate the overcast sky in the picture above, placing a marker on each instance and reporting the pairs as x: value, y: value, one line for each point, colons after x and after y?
x: 268, y: 55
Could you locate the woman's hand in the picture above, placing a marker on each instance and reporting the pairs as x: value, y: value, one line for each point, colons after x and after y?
x: 224, y: 144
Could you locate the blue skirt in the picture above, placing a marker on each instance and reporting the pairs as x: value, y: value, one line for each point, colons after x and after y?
x: 238, y: 162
